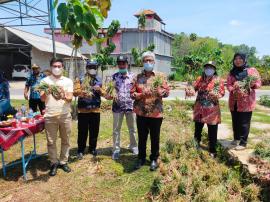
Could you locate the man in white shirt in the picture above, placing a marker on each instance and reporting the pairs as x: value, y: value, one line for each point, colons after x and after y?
x: 57, y: 115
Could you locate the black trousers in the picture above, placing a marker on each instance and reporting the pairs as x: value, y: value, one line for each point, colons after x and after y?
x: 212, y: 135
x: 34, y: 104
x: 88, y: 122
x: 144, y: 126
x: 241, y: 125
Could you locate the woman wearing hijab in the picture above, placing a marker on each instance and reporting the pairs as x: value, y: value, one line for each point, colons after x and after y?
x: 210, y: 89
x: 241, y: 83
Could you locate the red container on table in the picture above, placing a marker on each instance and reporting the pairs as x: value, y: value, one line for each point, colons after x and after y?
x: 14, y: 124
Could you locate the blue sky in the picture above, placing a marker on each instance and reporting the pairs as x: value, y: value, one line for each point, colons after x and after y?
x: 235, y: 22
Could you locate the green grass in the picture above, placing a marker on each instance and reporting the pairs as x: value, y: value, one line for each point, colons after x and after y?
x: 265, y: 88
x: 260, y: 117
x: 100, y: 179
x: 262, y: 149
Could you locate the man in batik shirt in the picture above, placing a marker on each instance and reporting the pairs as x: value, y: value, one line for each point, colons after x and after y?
x: 123, y: 106
x: 148, y: 89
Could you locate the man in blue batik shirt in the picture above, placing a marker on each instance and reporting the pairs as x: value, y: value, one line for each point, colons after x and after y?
x: 31, y: 82
x: 123, y: 106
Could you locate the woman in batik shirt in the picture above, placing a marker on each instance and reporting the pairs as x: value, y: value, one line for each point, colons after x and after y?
x: 241, y: 83
x: 209, y: 88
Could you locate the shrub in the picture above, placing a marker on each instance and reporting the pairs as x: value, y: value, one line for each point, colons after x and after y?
x: 265, y: 100
x: 262, y: 149
x: 265, y: 75
x: 156, y: 186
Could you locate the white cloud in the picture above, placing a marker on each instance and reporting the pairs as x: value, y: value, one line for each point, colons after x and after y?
x: 235, y: 23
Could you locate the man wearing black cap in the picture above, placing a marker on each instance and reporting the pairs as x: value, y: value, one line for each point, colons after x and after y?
x: 89, y: 101
x: 123, y: 106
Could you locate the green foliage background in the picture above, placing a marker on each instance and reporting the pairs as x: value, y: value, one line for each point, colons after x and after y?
x: 190, y: 52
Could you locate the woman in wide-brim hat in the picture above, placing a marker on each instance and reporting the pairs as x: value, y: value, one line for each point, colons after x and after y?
x: 209, y: 88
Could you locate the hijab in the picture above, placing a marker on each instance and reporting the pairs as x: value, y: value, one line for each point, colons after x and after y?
x: 239, y: 73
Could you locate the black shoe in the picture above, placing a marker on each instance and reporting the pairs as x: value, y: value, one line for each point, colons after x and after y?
x: 153, y: 165
x: 65, y: 168
x: 53, y: 169
x: 80, y: 156
x: 140, y: 163
x: 93, y: 152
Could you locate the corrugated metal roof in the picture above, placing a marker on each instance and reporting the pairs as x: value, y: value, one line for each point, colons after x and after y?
x: 42, y: 43
x: 5, y: 1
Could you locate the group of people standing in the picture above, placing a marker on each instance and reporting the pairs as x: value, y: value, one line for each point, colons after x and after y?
x: 138, y: 98
x: 241, y: 84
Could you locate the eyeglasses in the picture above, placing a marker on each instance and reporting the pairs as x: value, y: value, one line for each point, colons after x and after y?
x: 148, y: 60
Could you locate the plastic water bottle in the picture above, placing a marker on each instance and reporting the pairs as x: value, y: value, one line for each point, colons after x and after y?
x: 23, y: 110
x: 18, y: 115
x: 30, y: 114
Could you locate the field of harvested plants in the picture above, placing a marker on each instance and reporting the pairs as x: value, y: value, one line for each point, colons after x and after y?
x: 185, y: 173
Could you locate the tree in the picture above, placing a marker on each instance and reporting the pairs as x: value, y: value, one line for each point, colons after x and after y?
x: 266, y: 60
x: 103, y: 5
x: 142, y: 21
x: 104, y: 54
x: 180, y: 47
x: 137, y: 54
x: 190, y: 52
x: 80, y: 19
x: 193, y: 37
x: 250, y: 52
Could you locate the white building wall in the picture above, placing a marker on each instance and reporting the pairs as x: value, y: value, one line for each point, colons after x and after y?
x: 163, y: 64
x: 41, y: 58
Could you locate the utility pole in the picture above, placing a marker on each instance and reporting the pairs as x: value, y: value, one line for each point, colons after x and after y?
x: 51, y: 11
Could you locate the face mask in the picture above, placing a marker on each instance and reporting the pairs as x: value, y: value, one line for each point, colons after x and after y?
x: 92, y: 71
x: 57, y: 71
x: 209, y: 72
x: 123, y: 71
x: 35, y: 72
x: 148, y: 67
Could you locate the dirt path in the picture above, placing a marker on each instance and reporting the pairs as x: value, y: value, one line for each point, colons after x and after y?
x: 225, y: 137
x: 63, y: 186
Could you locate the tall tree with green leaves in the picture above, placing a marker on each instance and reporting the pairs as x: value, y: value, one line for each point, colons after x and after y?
x: 137, y: 54
x: 142, y: 21
x: 193, y: 37
x: 81, y: 19
x: 104, y: 54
